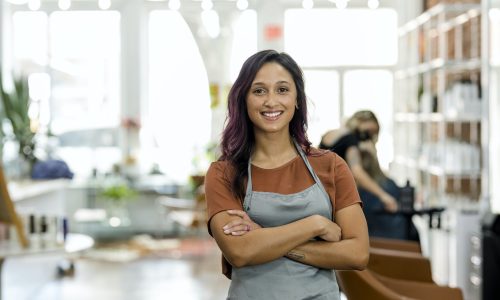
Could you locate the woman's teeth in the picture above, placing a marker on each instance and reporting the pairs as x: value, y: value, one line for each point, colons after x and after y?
x: 272, y: 114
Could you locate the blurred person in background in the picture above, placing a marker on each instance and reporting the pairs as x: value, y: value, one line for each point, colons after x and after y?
x: 381, y: 223
x: 359, y: 132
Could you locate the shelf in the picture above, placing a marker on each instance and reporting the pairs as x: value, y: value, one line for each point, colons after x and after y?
x: 468, y: 10
x: 433, y: 169
x: 433, y: 117
x: 439, y: 63
x: 21, y: 190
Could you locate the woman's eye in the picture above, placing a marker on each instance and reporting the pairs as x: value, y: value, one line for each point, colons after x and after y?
x: 282, y: 90
x: 259, y: 91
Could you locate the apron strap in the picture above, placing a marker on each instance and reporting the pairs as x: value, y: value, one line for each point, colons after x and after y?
x: 313, y: 174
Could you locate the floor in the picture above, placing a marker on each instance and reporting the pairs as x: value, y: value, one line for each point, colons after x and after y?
x: 194, y: 275
x: 190, y: 278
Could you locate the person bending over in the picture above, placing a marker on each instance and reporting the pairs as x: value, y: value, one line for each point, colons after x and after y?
x: 360, y: 130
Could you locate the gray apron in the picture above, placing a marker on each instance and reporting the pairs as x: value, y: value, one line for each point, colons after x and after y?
x: 284, y: 278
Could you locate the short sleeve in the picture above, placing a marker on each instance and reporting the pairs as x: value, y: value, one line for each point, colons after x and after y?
x: 218, y: 193
x: 346, y: 192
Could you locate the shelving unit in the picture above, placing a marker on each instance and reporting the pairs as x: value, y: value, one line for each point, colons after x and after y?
x: 438, y: 107
x: 438, y: 130
x: 483, y: 272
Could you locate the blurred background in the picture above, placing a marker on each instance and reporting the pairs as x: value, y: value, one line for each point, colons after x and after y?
x: 112, y: 112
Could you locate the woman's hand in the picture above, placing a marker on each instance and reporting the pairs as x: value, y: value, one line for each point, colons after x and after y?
x: 240, y: 226
x: 390, y: 204
x: 331, y: 232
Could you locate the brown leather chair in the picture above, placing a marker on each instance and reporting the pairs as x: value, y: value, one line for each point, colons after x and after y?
x: 400, y: 265
x: 394, y: 244
x: 363, y: 285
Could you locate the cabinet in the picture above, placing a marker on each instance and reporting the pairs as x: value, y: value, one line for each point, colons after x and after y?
x: 439, y: 130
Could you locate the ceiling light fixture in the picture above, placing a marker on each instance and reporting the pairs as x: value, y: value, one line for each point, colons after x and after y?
x: 104, y: 4
x: 34, y: 4
x: 64, y: 4
x: 341, y: 4
x: 207, y: 4
x: 242, y: 4
x: 307, y: 4
x: 174, y: 4
x: 373, y: 4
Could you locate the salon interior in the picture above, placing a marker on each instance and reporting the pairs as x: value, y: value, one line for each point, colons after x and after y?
x: 112, y: 112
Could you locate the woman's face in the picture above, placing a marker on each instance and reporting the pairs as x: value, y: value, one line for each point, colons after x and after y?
x: 271, y: 99
x: 369, y: 127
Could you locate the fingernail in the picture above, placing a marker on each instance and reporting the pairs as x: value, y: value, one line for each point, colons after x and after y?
x: 226, y: 231
x: 225, y: 227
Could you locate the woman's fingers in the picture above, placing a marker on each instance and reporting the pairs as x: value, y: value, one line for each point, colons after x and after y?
x: 234, y: 223
x: 244, y: 219
x: 238, y: 232
x: 239, y: 213
x: 237, y: 229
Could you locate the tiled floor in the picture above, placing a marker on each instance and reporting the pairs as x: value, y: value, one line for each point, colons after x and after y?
x: 195, y: 278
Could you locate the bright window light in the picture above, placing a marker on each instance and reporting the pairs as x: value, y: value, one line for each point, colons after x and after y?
x: 30, y: 28
x: 178, y: 114
x: 342, y: 37
x: 323, y: 103
x: 85, y: 78
x: 245, y: 41
x: 372, y: 89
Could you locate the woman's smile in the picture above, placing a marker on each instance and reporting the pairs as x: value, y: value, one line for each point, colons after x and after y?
x: 271, y: 115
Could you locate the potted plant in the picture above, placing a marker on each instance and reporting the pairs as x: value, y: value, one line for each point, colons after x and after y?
x: 116, y: 196
x: 15, y: 108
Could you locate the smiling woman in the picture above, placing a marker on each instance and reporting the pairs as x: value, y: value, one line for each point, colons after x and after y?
x: 283, y: 213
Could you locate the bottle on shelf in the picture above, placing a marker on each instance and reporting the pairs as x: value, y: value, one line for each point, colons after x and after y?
x: 407, y: 197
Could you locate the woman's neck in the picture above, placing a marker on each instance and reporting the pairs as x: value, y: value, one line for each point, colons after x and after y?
x: 272, y: 151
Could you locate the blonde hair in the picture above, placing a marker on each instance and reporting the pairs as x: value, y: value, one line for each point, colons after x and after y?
x: 370, y: 164
x: 359, y: 117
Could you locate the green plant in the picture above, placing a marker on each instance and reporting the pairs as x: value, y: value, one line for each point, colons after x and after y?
x: 118, y: 192
x: 15, y: 108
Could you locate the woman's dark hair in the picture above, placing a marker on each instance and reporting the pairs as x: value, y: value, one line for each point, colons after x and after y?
x: 238, y: 137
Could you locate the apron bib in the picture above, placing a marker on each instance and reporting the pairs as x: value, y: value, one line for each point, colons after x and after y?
x: 284, y: 278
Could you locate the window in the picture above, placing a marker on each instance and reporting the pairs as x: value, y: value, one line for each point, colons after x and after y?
x: 348, y: 65
x: 341, y: 36
x: 73, y: 66
x: 245, y: 40
x: 84, y: 63
x: 372, y: 89
x: 179, y: 100
x: 323, y: 102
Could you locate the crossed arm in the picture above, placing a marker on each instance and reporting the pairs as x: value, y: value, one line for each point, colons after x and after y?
x: 344, y: 245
